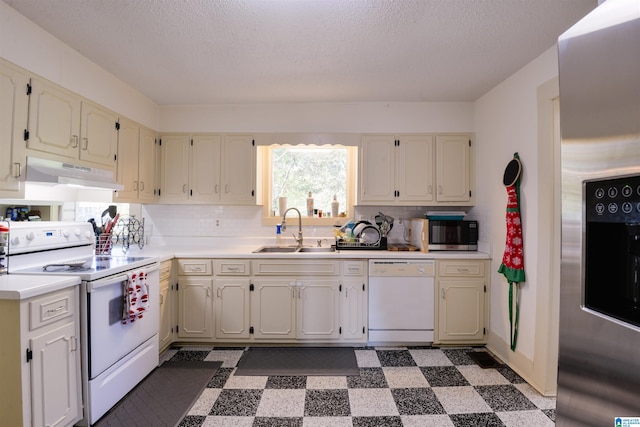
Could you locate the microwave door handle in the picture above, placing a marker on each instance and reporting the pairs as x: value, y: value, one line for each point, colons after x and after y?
x: 101, y: 283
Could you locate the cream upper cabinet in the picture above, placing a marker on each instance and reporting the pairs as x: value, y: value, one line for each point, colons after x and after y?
x: 238, y: 170
x: 396, y: 170
x: 62, y: 124
x: 415, y: 170
x: 98, y: 134
x: 453, y: 168
x: 208, y: 169
x: 174, y: 185
x: 136, y: 163
x: 461, y: 309
x: 14, y: 109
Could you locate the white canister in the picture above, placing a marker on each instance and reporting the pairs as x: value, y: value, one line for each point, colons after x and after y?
x: 282, y: 205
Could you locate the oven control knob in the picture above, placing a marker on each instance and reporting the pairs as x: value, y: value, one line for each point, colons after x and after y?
x: 66, y: 233
x: 15, y: 240
x: 88, y: 235
x: 30, y: 236
x: 77, y: 232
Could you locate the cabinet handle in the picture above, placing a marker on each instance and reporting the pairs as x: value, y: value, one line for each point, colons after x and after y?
x: 439, y: 189
x: 74, y: 141
x: 216, y: 189
x: 208, y: 292
x: 17, y: 168
x: 141, y: 185
x: 135, y: 185
x: 86, y: 143
x: 184, y: 188
x: 442, y: 293
x: 161, y: 299
x: 218, y: 293
x: 430, y: 189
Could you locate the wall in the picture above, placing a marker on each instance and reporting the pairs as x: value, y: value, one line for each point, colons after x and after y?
x: 29, y: 46
x: 506, y: 121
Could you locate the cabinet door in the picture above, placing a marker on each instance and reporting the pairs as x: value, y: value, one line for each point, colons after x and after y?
x: 99, y: 139
x: 453, y: 164
x: 195, y: 308
x: 414, y: 169
x: 205, y: 168
x: 318, y: 309
x: 354, y: 309
x: 54, y: 120
x: 273, y: 310
x: 377, y: 169
x: 147, y: 165
x: 461, y: 310
x: 175, y: 168
x: 128, y: 161
x: 55, y: 376
x: 14, y: 105
x: 238, y: 178
x: 165, y: 333
x: 232, y: 308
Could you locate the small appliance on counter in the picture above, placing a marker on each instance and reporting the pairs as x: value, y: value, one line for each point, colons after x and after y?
x: 453, y: 235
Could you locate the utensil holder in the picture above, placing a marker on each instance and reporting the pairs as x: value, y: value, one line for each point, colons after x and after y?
x: 104, y: 244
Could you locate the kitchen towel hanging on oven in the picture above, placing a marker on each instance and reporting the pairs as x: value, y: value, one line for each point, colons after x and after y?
x: 135, y: 294
x: 512, y: 266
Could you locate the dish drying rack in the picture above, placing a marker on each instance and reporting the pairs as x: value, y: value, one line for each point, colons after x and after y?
x: 128, y: 231
x: 342, y: 244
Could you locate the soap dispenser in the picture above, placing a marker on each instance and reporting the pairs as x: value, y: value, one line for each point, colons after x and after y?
x: 334, y: 206
x: 310, y: 204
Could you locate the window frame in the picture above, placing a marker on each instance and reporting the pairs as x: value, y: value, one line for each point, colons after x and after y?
x: 265, y: 174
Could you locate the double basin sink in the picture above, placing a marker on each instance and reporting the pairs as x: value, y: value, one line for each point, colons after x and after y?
x: 293, y: 249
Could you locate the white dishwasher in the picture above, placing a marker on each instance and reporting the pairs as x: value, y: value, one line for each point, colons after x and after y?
x: 401, y: 301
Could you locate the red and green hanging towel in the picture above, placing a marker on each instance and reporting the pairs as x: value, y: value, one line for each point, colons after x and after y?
x: 512, y: 266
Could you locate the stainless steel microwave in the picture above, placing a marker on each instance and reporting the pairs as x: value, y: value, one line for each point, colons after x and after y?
x: 453, y: 235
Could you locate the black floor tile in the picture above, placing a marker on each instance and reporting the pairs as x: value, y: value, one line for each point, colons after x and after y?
x: 459, y: 356
x: 220, y: 378
x: 192, y: 421
x: 368, y: 378
x: 551, y: 413
x: 509, y: 374
x: 277, y: 422
x: 237, y: 403
x: 286, y: 382
x: 327, y: 403
x: 377, y: 422
x: 190, y: 355
x: 395, y: 358
x: 444, y: 376
x: 504, y: 398
x: 416, y: 401
x: 488, y: 419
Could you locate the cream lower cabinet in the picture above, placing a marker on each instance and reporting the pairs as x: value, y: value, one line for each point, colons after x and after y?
x: 354, y: 301
x: 461, y: 287
x: 232, y: 299
x: 40, y: 360
x: 167, y: 305
x: 195, y: 300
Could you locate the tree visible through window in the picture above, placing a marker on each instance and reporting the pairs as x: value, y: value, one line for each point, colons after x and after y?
x: 298, y: 170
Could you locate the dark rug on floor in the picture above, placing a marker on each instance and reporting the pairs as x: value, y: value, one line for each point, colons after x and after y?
x: 484, y: 359
x: 164, y: 397
x: 293, y: 361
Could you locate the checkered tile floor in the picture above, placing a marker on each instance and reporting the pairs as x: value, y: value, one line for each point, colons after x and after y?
x: 397, y: 386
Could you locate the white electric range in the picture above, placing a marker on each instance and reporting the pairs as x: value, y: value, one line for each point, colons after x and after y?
x: 116, y: 354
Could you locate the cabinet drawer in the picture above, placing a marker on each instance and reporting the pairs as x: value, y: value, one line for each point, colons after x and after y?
x: 463, y: 268
x: 51, y: 308
x: 297, y: 268
x: 232, y: 267
x: 195, y: 267
x: 165, y: 270
x: 354, y: 268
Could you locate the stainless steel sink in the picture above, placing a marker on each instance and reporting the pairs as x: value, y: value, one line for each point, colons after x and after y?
x: 316, y: 249
x: 275, y: 249
x: 291, y: 249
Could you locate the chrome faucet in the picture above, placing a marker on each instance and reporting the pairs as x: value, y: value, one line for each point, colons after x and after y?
x: 283, y: 227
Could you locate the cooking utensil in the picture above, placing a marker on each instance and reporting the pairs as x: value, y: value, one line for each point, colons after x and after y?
x: 112, y: 211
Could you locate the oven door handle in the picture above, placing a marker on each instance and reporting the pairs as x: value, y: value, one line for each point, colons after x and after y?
x: 101, y: 283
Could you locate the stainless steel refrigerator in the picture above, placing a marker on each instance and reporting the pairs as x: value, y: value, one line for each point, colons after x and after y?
x: 599, y: 356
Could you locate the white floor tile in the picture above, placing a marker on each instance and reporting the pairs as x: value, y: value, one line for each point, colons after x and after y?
x: 229, y: 358
x: 430, y: 357
x: 205, y: 402
x: 281, y: 403
x: 228, y: 422
x: 367, y: 402
x: 327, y: 382
x: 404, y: 377
x: 426, y: 421
x: 542, y: 402
x: 461, y: 400
x: 478, y: 376
x: 326, y: 422
x: 367, y: 359
x: 534, y: 418
x: 247, y: 382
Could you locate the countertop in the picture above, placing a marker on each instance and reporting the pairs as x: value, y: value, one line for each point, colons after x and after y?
x: 19, y: 287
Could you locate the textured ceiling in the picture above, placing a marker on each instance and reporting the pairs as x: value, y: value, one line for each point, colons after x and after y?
x: 263, y: 51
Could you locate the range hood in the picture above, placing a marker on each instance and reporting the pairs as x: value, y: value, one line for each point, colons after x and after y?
x: 53, y: 172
